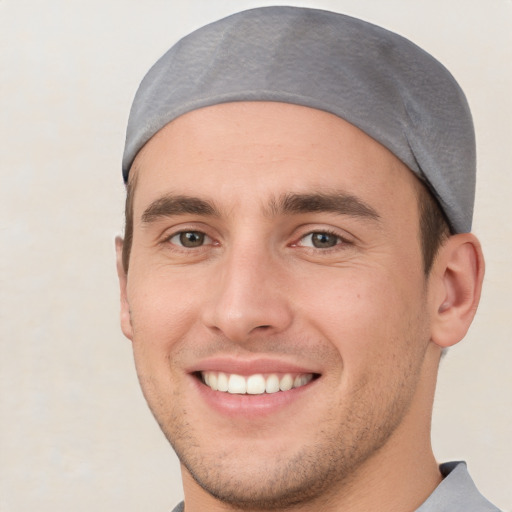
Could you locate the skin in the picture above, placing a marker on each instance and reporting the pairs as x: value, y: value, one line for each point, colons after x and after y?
x: 360, y: 315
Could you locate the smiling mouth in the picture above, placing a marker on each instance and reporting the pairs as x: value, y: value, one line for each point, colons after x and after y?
x: 256, y: 384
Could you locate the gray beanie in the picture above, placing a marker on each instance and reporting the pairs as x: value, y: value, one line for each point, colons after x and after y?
x: 376, y: 80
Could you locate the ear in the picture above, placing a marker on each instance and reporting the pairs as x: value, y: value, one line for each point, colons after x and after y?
x: 455, y: 287
x: 126, y: 324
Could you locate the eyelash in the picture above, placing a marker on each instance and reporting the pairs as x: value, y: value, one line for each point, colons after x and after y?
x: 182, y: 232
x: 340, y: 241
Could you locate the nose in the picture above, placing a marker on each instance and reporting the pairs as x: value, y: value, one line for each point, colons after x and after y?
x: 249, y: 296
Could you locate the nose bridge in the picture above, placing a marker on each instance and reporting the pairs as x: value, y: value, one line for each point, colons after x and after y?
x: 249, y: 297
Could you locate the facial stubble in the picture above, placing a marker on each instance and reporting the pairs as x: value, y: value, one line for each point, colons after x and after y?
x: 352, y: 432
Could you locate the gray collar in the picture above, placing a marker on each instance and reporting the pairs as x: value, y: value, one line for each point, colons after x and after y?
x: 456, y: 493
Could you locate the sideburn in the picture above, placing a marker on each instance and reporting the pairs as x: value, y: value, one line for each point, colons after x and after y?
x: 128, y: 215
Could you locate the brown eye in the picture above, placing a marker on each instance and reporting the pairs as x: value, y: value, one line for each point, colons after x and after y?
x: 320, y: 240
x: 189, y: 239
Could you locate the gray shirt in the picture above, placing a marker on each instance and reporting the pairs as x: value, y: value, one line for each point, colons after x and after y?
x: 456, y: 493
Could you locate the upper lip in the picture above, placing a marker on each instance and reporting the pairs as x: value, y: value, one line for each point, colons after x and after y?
x: 249, y: 367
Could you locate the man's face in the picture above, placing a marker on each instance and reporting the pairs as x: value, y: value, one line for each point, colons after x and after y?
x: 278, y: 244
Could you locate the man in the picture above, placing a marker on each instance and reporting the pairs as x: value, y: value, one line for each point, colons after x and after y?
x: 297, y: 256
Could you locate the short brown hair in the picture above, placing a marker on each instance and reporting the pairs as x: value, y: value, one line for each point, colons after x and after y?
x: 434, y: 226
x: 128, y: 218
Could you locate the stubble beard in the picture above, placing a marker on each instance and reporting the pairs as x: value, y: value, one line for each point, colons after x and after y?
x: 352, y: 431
x: 312, y: 475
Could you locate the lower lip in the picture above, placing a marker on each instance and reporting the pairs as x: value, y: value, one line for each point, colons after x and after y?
x: 251, y: 406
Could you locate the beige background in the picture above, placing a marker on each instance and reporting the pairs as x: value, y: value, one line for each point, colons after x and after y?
x: 75, y: 433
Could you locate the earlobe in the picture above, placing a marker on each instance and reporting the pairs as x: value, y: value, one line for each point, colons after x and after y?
x: 456, y: 287
x: 126, y: 324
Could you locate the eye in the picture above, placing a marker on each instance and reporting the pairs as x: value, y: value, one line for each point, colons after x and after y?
x: 190, y: 239
x: 320, y: 240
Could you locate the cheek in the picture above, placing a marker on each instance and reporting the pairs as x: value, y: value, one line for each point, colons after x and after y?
x: 163, y: 309
x: 368, y: 314
x: 162, y: 314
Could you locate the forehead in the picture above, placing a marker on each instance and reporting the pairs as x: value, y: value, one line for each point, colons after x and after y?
x: 250, y: 151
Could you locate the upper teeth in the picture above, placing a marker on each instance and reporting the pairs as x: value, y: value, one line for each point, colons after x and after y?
x: 254, y: 384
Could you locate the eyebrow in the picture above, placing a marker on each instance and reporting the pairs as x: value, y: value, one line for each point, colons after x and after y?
x: 286, y: 204
x: 169, y: 205
x: 337, y: 202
